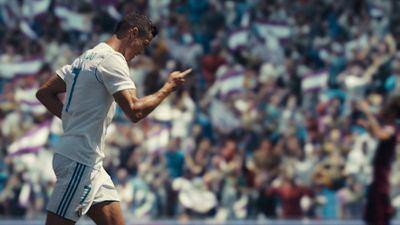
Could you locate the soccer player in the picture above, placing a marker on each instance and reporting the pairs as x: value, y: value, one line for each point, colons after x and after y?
x: 94, y: 83
x: 378, y: 208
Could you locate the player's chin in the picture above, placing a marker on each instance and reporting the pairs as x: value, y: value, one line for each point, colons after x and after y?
x: 136, y: 54
x: 132, y: 57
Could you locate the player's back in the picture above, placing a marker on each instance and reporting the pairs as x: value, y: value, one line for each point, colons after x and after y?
x: 88, y: 105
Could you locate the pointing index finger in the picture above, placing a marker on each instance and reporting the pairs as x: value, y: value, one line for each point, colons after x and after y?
x: 186, y: 72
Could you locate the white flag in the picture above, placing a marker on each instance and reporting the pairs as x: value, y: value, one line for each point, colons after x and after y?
x: 32, y: 141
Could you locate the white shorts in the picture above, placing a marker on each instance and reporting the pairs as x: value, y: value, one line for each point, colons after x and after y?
x: 78, y: 187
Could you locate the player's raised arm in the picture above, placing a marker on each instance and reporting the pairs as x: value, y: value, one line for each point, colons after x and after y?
x: 138, y: 108
x: 376, y: 129
x: 48, y: 95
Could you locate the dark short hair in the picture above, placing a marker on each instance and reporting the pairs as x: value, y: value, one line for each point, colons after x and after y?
x: 135, y: 19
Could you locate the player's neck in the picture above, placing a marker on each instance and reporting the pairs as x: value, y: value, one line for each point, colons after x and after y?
x: 116, y: 44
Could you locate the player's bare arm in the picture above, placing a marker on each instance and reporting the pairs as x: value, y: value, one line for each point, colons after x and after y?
x: 138, y: 108
x: 372, y: 123
x: 48, y: 95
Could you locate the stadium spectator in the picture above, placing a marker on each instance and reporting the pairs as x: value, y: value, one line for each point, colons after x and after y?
x: 274, y: 89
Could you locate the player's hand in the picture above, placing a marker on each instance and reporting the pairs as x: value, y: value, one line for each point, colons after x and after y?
x: 176, y: 79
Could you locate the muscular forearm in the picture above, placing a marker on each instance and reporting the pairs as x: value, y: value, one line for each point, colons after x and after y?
x: 373, y: 124
x: 375, y: 128
x: 138, y: 108
x: 51, y: 102
x: 144, y: 106
x: 48, y: 95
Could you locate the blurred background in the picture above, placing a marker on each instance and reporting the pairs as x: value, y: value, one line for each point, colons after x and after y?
x: 266, y: 128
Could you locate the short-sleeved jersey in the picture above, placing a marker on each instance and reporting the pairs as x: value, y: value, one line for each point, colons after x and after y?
x: 89, y: 106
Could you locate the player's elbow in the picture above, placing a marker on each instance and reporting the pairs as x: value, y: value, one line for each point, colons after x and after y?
x: 133, y: 113
x: 41, y: 95
x: 135, y: 117
x: 383, y: 136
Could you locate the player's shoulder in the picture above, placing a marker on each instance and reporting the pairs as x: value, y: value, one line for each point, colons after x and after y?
x: 107, y: 52
x: 113, y: 59
x: 110, y: 56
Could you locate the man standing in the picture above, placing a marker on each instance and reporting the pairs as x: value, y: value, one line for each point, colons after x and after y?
x: 378, y: 208
x: 93, y: 83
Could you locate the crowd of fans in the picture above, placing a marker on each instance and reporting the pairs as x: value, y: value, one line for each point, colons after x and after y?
x: 267, y: 126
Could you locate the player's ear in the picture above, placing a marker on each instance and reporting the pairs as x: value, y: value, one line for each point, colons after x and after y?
x: 134, y: 31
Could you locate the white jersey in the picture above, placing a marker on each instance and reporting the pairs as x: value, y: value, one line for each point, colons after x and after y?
x: 89, y: 106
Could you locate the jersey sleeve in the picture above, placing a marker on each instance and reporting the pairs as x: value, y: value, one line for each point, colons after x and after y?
x: 114, y: 73
x: 63, y: 71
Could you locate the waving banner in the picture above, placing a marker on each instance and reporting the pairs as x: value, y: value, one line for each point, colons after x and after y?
x: 32, y: 141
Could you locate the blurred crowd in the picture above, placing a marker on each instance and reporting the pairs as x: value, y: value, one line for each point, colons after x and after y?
x: 267, y: 126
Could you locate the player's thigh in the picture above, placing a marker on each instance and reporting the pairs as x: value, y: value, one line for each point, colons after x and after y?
x: 54, y: 219
x: 106, y: 213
